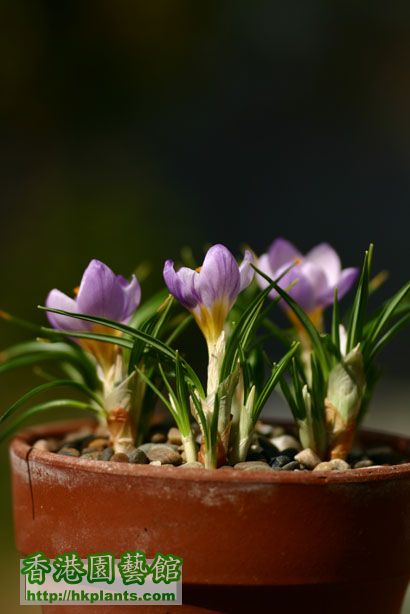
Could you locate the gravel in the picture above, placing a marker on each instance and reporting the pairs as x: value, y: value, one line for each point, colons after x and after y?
x: 272, y: 449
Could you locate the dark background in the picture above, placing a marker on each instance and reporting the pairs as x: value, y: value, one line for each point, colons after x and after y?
x: 131, y: 129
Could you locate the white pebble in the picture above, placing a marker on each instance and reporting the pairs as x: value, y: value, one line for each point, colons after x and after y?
x: 174, y: 436
x: 192, y: 465
x: 41, y: 444
x: 336, y: 464
x: 285, y: 441
x: 308, y: 457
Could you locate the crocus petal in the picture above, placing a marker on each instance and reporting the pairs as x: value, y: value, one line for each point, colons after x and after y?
x: 101, y: 294
x: 325, y: 257
x: 59, y: 300
x: 219, y: 277
x: 303, y: 288
x: 282, y: 252
x: 246, y: 272
x: 298, y: 281
x: 346, y: 280
x: 181, y: 284
x: 316, y: 278
x: 132, y: 295
x: 263, y: 265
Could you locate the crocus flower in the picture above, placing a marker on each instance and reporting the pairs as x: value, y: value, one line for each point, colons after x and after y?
x: 210, y: 291
x: 316, y: 274
x: 101, y: 293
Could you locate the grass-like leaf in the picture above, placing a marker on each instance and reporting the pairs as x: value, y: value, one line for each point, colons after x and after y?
x: 179, y: 329
x: 277, y: 373
x: 39, y: 357
x: 303, y: 318
x: 387, y: 313
x: 59, y: 404
x: 45, y: 388
x: 21, y: 323
x: 380, y: 343
x: 358, y: 315
x: 298, y: 411
x: 151, y: 341
x: 157, y: 391
x: 202, y: 418
x: 27, y: 353
x: 182, y: 392
x: 148, y: 309
x: 335, y: 334
x: 242, y: 332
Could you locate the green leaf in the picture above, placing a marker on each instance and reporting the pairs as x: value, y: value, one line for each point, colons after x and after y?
x: 32, y: 352
x: 45, y: 388
x: 298, y: 411
x: 157, y: 391
x: 380, y: 343
x: 178, y: 330
x: 358, y: 315
x: 148, y: 309
x: 106, y: 338
x: 246, y: 373
x: 156, y: 344
x: 284, y: 336
x: 335, y: 335
x: 387, y: 313
x: 67, y: 403
x: 34, y: 328
x: 297, y: 384
x: 182, y: 392
x: 202, y: 418
x: 277, y: 373
x: 241, y: 332
x: 163, y: 314
x: 303, y: 318
x: 247, y: 323
x: 139, y: 346
x: 255, y: 367
x: 317, y: 390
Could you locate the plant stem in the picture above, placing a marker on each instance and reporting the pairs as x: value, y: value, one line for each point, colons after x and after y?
x: 189, y: 444
x: 210, y: 459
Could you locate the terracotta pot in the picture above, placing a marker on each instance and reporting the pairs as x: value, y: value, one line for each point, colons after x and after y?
x: 335, y: 542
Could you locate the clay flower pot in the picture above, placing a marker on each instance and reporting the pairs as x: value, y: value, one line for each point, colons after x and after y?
x: 306, y: 542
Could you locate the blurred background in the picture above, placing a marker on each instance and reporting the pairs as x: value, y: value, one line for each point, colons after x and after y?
x: 131, y: 129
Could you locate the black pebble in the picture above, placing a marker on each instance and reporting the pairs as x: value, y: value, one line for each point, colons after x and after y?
x: 291, y: 466
x: 280, y: 461
x: 383, y: 455
x: 107, y: 453
x: 254, y: 455
x: 268, y: 448
x: 78, y: 442
x: 290, y: 453
x: 138, y: 457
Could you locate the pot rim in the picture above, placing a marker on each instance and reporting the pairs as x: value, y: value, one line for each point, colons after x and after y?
x: 22, y: 448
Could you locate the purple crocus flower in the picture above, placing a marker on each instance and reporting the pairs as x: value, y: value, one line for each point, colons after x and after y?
x: 210, y: 291
x: 318, y: 273
x: 101, y: 294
